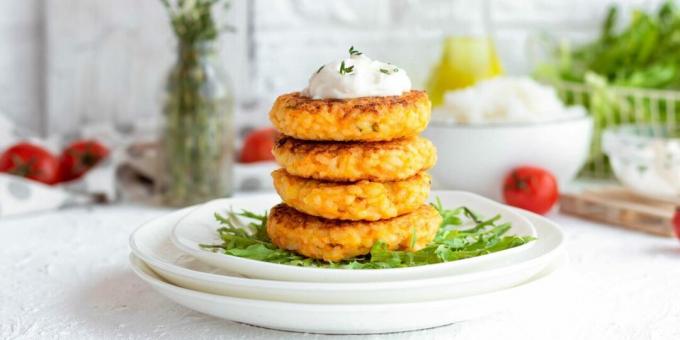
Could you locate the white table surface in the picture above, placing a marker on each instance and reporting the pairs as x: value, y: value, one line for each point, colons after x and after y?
x: 65, y: 275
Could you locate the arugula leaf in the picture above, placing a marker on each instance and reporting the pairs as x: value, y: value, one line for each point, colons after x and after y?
x: 462, y: 234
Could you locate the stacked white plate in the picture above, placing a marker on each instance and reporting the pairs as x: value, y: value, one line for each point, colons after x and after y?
x: 165, y: 253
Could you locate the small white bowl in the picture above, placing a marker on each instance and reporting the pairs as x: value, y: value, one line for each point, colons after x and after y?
x: 477, y: 158
x: 646, y: 159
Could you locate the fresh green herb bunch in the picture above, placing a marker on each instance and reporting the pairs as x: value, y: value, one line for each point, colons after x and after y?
x: 192, y: 20
x: 462, y: 234
x: 197, y: 138
x: 643, y: 54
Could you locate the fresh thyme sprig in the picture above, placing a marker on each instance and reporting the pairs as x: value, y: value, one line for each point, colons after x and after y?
x: 388, y: 71
x: 345, y: 69
x: 353, y: 52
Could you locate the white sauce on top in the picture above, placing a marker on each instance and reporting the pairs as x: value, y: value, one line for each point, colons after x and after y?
x: 357, y: 76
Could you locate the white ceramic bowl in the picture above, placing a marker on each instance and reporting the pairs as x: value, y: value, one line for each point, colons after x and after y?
x: 151, y: 243
x: 477, y: 158
x: 199, y: 227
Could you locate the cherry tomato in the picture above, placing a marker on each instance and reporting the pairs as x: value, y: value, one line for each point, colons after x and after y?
x: 30, y: 161
x: 258, y: 146
x: 530, y: 188
x: 79, y: 157
x: 676, y: 222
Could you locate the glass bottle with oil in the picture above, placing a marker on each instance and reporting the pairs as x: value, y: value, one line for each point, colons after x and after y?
x: 468, y: 52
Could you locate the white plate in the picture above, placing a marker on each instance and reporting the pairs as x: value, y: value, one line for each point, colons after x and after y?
x: 355, y: 318
x: 199, y: 227
x: 151, y: 243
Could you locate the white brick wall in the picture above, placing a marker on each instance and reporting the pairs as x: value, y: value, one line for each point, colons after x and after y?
x: 108, y: 59
x: 105, y: 60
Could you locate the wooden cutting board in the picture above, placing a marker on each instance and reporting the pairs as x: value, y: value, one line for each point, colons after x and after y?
x: 619, y: 206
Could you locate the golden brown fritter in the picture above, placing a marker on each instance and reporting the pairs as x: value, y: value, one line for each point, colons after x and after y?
x: 352, y: 161
x: 357, y: 119
x: 362, y: 200
x: 335, y: 240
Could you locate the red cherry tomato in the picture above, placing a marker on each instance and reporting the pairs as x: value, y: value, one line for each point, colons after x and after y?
x: 30, y: 161
x: 531, y: 188
x: 79, y: 157
x: 676, y: 222
x: 258, y: 146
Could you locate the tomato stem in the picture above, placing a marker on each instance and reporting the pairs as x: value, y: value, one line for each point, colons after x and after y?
x: 519, y: 183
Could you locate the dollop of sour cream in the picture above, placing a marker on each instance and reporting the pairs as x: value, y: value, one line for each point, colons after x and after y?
x: 357, y: 76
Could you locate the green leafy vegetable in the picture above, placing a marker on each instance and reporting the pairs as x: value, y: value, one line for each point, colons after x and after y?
x: 644, y: 54
x: 462, y: 234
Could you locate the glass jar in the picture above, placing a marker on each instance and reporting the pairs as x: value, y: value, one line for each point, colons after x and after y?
x: 197, y: 136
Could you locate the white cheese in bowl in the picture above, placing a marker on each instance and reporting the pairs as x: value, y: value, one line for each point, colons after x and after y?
x: 504, y: 100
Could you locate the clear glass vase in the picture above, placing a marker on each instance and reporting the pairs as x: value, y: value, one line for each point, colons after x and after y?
x: 197, y: 138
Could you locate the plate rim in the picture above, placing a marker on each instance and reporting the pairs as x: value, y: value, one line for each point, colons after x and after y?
x: 561, y: 261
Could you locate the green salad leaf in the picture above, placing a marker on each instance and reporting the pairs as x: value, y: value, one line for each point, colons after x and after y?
x: 642, y: 54
x: 462, y: 234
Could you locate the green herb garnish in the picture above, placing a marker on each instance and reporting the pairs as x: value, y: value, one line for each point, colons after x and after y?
x: 386, y: 71
x: 320, y: 68
x: 346, y: 70
x: 353, y: 52
x: 462, y: 234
